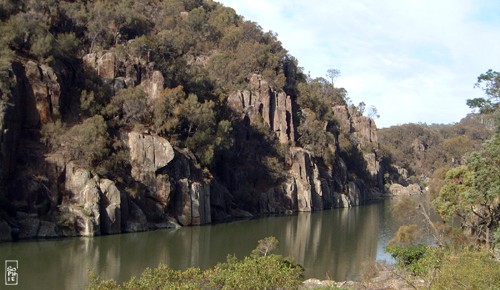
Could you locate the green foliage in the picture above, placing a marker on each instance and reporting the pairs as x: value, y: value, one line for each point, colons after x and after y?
x: 254, y: 272
x: 444, y: 268
x: 468, y: 270
x: 314, y: 137
x: 265, y: 246
x: 263, y: 272
x: 472, y: 191
x: 490, y: 83
x: 426, y: 148
x: 130, y: 105
x: 86, y: 143
x: 413, y: 258
x: 94, y: 97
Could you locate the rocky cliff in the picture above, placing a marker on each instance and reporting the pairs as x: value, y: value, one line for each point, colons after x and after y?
x: 83, y: 154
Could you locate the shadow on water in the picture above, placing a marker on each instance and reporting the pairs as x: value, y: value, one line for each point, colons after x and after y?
x: 329, y: 244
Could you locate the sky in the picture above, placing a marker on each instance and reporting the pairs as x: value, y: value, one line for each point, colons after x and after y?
x: 414, y: 60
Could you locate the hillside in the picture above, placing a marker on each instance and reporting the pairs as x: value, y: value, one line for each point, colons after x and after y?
x: 120, y: 116
x: 427, y: 148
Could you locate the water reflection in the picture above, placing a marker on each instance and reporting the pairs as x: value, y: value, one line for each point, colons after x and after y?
x: 333, y: 244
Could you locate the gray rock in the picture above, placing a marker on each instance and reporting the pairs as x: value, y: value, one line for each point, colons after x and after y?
x: 106, y: 66
x: 137, y: 221
x: 111, y: 207
x: 48, y: 230
x: 262, y: 101
x: 153, y: 84
x: 86, y: 199
x: 45, y: 89
x: 194, y: 203
x: 5, y: 232
x: 28, y: 228
x: 399, y: 190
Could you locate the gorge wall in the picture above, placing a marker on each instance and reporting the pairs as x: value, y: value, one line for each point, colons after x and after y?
x: 49, y: 195
x: 176, y: 115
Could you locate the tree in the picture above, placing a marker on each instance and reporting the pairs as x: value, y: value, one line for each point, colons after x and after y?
x: 361, y: 107
x: 333, y: 74
x: 490, y: 83
x: 472, y: 192
x: 373, y: 112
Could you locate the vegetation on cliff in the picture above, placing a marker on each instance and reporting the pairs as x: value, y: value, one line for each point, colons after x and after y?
x: 248, y: 127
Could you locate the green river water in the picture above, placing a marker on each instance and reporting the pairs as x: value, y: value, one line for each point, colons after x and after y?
x: 331, y: 244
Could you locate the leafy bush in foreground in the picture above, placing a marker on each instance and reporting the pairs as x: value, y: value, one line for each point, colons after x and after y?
x: 253, y: 272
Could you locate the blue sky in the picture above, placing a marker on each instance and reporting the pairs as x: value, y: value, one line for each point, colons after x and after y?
x: 415, y: 60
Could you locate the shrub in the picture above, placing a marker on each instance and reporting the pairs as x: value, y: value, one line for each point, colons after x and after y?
x: 86, y: 143
x: 410, y: 258
x: 258, y: 271
x: 131, y: 104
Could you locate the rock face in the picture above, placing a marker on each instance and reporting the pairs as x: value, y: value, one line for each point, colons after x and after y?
x: 5, y: 232
x: 399, y: 190
x: 149, y: 154
x: 191, y: 200
x: 46, y: 91
x: 169, y: 182
x: 364, y: 131
x: 311, y: 187
x: 166, y: 186
x: 125, y: 72
x: 85, y: 203
x: 110, y: 207
x: 261, y: 101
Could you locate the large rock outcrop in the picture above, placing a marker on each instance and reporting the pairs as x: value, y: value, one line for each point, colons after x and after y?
x: 125, y: 72
x: 191, y: 202
x: 364, y: 131
x: 149, y: 155
x: 400, y: 190
x: 262, y: 102
x: 45, y: 90
x: 311, y: 186
x: 170, y: 181
x: 166, y: 186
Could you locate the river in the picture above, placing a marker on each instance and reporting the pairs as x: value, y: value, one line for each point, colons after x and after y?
x: 333, y: 244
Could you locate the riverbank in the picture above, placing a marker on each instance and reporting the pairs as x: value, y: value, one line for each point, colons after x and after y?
x: 384, y: 277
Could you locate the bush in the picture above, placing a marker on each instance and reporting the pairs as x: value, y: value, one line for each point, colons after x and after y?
x: 86, y: 143
x: 410, y: 257
x: 131, y: 104
x: 468, y: 270
x: 261, y: 270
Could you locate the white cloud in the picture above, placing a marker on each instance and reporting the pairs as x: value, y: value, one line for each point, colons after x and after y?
x: 415, y: 60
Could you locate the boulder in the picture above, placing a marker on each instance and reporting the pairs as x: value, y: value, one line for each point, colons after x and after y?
x: 153, y: 84
x: 107, y: 66
x: 148, y: 153
x: 110, y: 207
x: 193, y: 203
x: 149, y: 156
x: 85, y: 202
